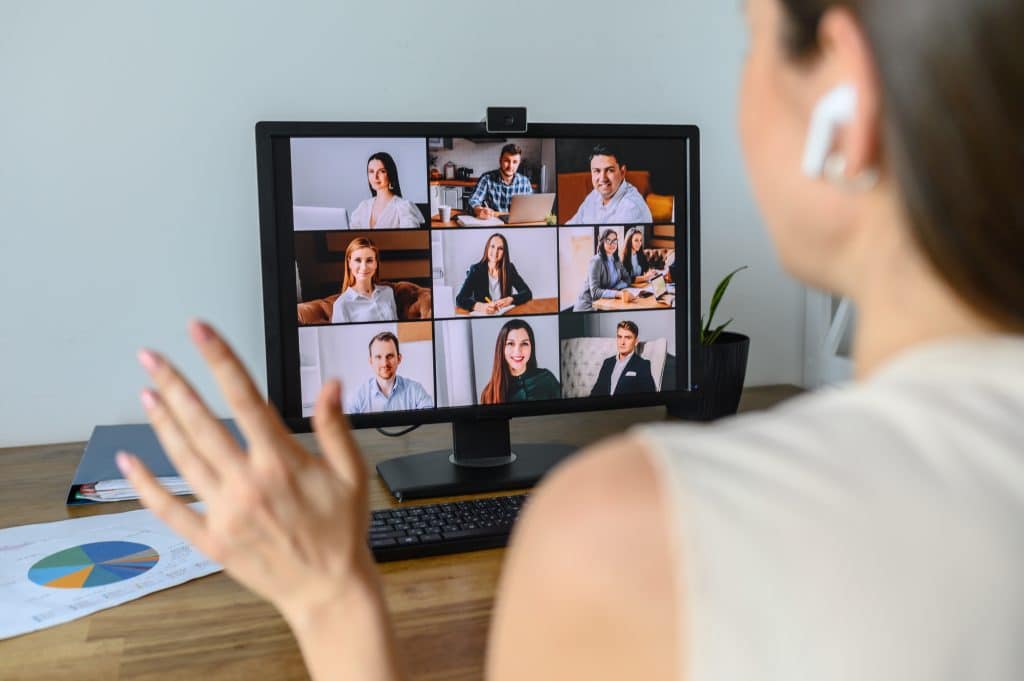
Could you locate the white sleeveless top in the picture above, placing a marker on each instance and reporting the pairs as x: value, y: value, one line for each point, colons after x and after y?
x: 866, y: 533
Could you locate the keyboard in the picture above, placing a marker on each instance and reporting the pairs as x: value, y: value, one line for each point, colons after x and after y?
x: 436, y: 529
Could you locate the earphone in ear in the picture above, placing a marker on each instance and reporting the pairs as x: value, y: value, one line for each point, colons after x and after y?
x: 833, y: 110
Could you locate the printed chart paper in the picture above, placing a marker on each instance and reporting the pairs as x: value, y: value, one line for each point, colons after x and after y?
x: 51, y: 573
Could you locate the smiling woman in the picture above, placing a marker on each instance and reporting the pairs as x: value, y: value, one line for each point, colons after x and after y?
x: 515, y: 376
x: 362, y: 298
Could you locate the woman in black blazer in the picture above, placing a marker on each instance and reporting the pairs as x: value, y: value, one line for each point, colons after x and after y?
x: 490, y: 282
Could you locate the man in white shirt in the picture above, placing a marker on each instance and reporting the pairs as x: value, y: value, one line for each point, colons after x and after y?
x: 614, y: 200
x: 387, y: 391
x: 626, y: 372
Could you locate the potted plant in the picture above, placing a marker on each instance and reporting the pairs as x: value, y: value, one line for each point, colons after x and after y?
x: 721, y: 361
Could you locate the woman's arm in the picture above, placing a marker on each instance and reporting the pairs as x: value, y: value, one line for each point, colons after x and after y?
x: 469, y: 297
x: 588, y: 589
x: 409, y: 215
x: 389, y: 303
x: 289, y: 526
x: 597, y: 280
x: 523, y: 292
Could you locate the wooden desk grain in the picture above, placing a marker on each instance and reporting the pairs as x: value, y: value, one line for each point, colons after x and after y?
x: 211, y: 628
x: 533, y: 306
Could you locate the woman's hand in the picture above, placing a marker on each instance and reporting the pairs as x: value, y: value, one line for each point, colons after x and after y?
x: 503, y: 302
x: 289, y: 526
x: 486, y: 308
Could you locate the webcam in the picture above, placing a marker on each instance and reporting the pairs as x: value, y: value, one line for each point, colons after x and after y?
x: 506, y: 119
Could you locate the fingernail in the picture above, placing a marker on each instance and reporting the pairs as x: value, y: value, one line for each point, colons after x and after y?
x: 124, y: 461
x: 201, y: 331
x: 148, y: 399
x: 149, y: 360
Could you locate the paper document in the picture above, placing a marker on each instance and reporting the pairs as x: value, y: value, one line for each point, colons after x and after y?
x: 470, y: 221
x: 121, y: 489
x: 500, y: 312
x: 51, y: 573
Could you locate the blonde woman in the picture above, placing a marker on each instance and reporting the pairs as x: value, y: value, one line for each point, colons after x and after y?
x: 362, y: 298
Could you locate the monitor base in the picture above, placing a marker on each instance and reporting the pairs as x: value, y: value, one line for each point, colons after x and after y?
x: 432, y: 474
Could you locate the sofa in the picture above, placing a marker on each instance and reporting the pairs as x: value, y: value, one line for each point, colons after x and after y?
x: 582, y: 359
x: 413, y: 302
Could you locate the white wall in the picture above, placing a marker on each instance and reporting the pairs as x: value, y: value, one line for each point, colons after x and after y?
x: 128, y: 181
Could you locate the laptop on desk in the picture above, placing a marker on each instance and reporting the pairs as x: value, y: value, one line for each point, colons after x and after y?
x: 529, y: 208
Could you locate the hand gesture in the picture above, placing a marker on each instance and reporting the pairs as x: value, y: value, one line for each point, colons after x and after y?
x: 288, y: 525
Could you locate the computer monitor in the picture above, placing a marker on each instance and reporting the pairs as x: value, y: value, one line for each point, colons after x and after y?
x: 386, y: 264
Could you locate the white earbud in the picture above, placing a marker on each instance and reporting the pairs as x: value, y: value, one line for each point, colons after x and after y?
x: 834, y: 110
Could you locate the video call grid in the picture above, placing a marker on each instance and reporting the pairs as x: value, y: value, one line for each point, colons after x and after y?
x: 558, y: 227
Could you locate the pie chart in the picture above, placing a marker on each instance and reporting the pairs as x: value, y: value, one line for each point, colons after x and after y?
x: 96, y: 564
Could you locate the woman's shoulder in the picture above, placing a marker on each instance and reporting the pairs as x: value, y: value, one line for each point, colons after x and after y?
x: 541, y: 376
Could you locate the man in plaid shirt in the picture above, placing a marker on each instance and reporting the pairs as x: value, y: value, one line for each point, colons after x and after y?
x: 495, y: 189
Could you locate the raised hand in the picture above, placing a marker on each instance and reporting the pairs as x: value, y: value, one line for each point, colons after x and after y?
x: 288, y: 525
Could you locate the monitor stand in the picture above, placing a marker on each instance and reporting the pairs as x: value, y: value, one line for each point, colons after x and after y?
x: 481, y: 460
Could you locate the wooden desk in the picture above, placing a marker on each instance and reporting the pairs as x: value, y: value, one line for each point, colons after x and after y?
x: 435, y: 221
x: 532, y: 306
x: 211, y: 628
x: 648, y: 303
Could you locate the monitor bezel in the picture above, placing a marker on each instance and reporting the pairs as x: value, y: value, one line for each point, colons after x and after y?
x: 277, y: 259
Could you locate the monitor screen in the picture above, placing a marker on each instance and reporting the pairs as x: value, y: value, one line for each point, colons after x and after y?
x: 442, y: 273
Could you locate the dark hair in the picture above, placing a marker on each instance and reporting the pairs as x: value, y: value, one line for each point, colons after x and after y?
x: 497, y: 389
x: 600, y: 244
x: 503, y: 278
x: 951, y: 76
x: 629, y: 326
x: 606, y: 150
x: 511, y: 149
x: 390, y: 168
x: 384, y: 336
x: 626, y: 252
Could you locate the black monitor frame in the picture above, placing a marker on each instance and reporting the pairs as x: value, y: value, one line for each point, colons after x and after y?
x: 279, y: 295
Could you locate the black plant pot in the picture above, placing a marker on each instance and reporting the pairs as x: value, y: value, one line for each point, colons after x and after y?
x: 721, y: 369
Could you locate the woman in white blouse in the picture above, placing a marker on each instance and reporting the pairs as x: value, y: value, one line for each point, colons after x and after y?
x: 362, y: 298
x: 386, y: 209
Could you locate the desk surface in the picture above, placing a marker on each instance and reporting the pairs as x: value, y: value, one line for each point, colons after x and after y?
x: 532, y: 306
x: 211, y: 628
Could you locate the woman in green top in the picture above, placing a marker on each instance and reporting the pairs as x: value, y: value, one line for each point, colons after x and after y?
x: 515, y: 376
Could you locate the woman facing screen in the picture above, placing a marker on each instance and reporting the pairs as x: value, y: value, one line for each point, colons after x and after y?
x: 362, y: 298
x: 515, y: 376
x: 490, y: 282
x: 869, y: 531
x: 386, y: 208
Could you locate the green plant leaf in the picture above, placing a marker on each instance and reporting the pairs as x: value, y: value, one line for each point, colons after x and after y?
x: 716, y: 298
x: 713, y: 337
